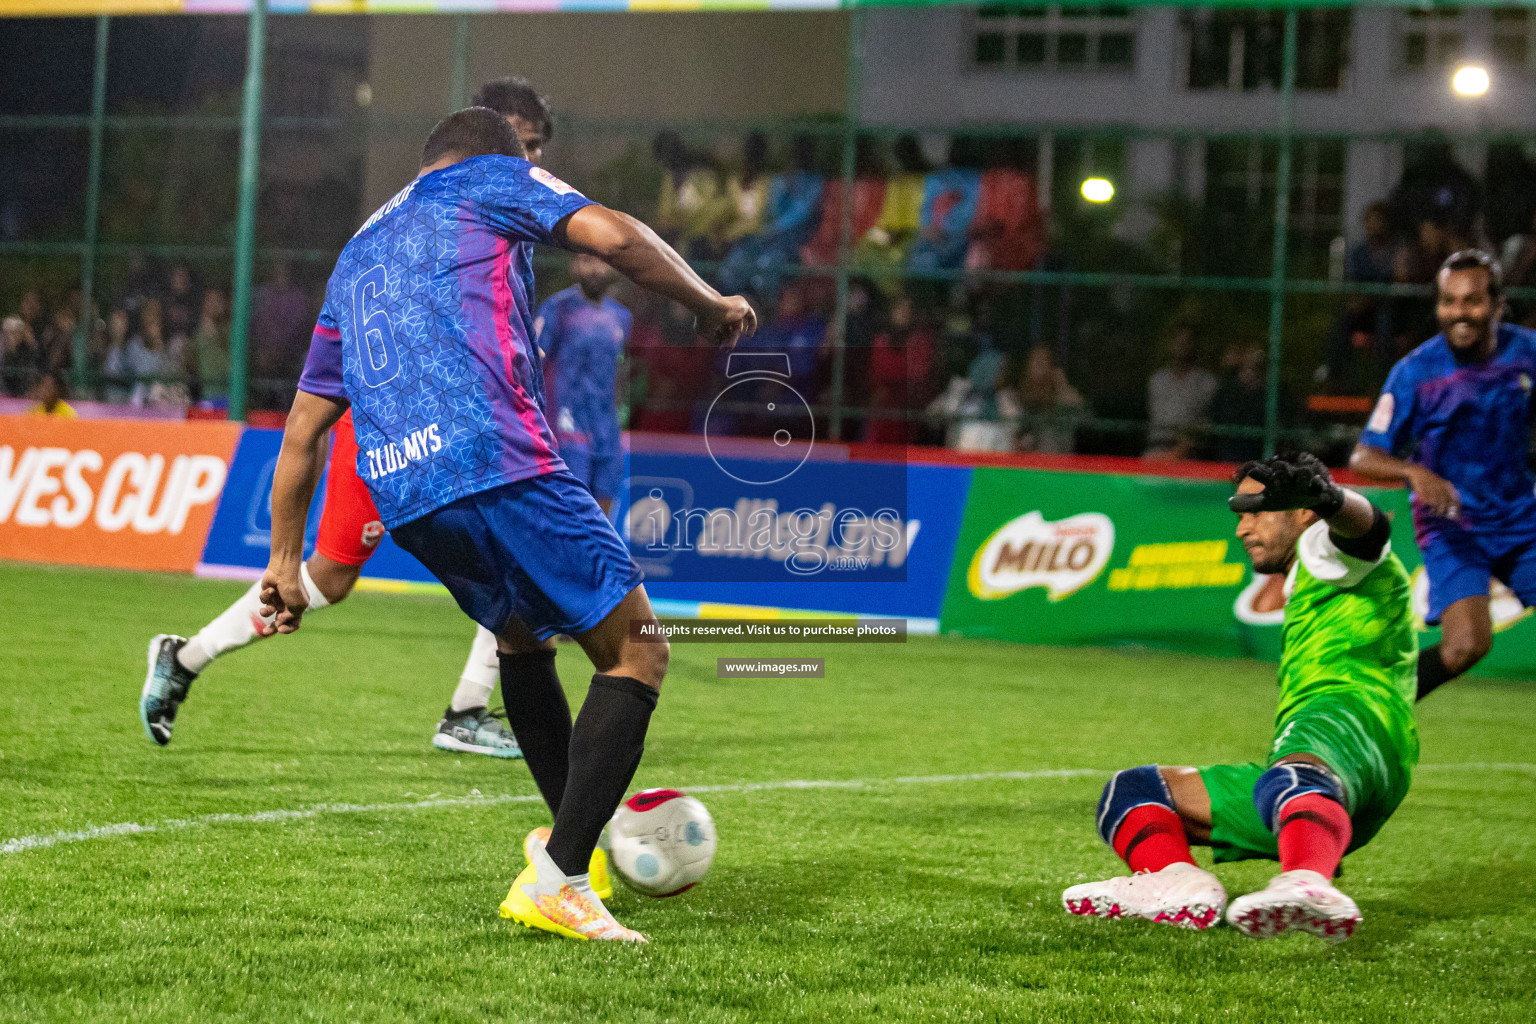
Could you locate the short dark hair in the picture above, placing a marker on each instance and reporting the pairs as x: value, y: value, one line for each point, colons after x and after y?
x: 473, y: 131
x: 1476, y: 259
x: 514, y: 97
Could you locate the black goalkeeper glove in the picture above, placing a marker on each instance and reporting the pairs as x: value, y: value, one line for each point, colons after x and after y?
x: 1300, y: 481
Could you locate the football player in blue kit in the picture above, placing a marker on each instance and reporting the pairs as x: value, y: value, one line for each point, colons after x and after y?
x: 1454, y: 424
x: 426, y: 334
x: 582, y: 332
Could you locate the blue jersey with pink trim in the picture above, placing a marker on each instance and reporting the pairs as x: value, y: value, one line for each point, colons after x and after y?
x: 1469, y: 423
x: 426, y: 332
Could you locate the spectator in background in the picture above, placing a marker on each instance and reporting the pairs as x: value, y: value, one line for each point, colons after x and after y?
x: 1417, y: 262
x: 797, y: 329
x: 49, y: 394
x: 971, y: 405
x: 900, y: 365
x: 1178, y: 400
x: 1241, y: 400
x: 20, y: 357
x: 1046, y: 407
x: 281, y: 325
x: 901, y: 213
x: 664, y: 347
x: 116, y: 381
x: 1365, y: 322
x: 209, y: 357
x: 155, y: 365
x: 1434, y: 187
x: 137, y: 284
x: 57, y: 343
x: 690, y: 203
x: 31, y: 311
x: 180, y: 302
x: 746, y: 194
x: 793, y: 199
x: 1519, y: 261
x: 745, y: 197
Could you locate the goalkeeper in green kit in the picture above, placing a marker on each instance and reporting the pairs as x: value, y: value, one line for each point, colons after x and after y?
x: 1345, y: 742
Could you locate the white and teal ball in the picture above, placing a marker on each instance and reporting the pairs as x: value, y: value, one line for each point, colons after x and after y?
x: 663, y: 841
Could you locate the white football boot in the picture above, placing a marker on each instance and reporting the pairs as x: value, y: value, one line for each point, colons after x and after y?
x: 1296, y: 899
x: 1183, y: 895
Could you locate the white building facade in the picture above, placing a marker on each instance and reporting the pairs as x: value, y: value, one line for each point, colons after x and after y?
x: 1147, y: 92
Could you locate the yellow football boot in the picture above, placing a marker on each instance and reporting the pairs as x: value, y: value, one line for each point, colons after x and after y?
x: 556, y: 906
x: 597, y: 869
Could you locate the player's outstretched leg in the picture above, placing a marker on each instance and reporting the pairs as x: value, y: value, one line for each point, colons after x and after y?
x: 1138, y: 819
x: 555, y: 893
x: 174, y: 661
x: 468, y: 726
x: 1302, y: 803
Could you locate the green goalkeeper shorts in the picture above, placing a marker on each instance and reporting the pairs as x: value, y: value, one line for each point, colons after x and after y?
x: 1372, y: 758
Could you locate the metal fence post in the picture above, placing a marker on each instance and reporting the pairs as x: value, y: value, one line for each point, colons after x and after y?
x: 851, y: 102
x: 245, y: 224
x: 1282, y: 233
x: 86, y: 326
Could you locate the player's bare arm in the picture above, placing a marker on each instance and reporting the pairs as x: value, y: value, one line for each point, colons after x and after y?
x: 299, y: 465
x: 637, y: 252
x: 1438, y: 493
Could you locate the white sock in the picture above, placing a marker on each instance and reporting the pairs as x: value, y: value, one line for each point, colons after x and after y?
x: 550, y: 879
x: 481, y: 673
x: 237, y: 626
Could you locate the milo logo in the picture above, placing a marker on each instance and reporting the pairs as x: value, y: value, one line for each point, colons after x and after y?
x: 1030, y: 551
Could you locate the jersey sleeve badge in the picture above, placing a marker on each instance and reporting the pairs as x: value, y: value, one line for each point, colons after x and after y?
x: 550, y: 182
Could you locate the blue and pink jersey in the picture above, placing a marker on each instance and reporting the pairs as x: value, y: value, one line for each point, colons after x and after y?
x: 582, y: 341
x: 426, y: 331
x: 1469, y: 423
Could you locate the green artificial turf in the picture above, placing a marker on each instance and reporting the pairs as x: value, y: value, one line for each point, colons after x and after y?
x: 889, y: 901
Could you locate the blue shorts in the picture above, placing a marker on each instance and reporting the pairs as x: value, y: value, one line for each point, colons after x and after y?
x: 538, y: 550
x: 1461, y: 563
x: 603, y: 475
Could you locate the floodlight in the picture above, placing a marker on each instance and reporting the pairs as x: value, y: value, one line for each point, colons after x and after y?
x: 1470, y: 80
x: 1098, y: 190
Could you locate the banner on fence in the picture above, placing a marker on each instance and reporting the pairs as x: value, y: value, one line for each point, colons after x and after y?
x: 1080, y: 558
x: 132, y: 494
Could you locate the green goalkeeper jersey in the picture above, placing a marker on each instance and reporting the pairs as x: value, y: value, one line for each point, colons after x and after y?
x: 1349, y: 627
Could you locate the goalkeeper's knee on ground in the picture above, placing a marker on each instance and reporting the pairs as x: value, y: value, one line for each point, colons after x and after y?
x: 1126, y: 791
x: 1285, y: 782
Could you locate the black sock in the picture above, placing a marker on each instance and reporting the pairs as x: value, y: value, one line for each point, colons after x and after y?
x: 1432, y: 671
x: 540, y: 718
x: 605, y: 751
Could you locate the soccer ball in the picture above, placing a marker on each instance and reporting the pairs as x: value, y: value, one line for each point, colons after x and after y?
x: 663, y: 841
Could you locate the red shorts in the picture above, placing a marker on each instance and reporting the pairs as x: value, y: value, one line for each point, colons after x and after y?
x: 350, y: 528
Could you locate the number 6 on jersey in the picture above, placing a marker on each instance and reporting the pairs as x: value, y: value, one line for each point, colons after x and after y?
x: 378, y: 354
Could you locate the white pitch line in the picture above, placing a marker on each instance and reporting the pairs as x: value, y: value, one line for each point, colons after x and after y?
x: 128, y: 828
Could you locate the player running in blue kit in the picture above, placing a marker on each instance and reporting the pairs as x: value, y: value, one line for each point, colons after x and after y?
x: 582, y: 332
x: 426, y: 335
x: 1454, y: 424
